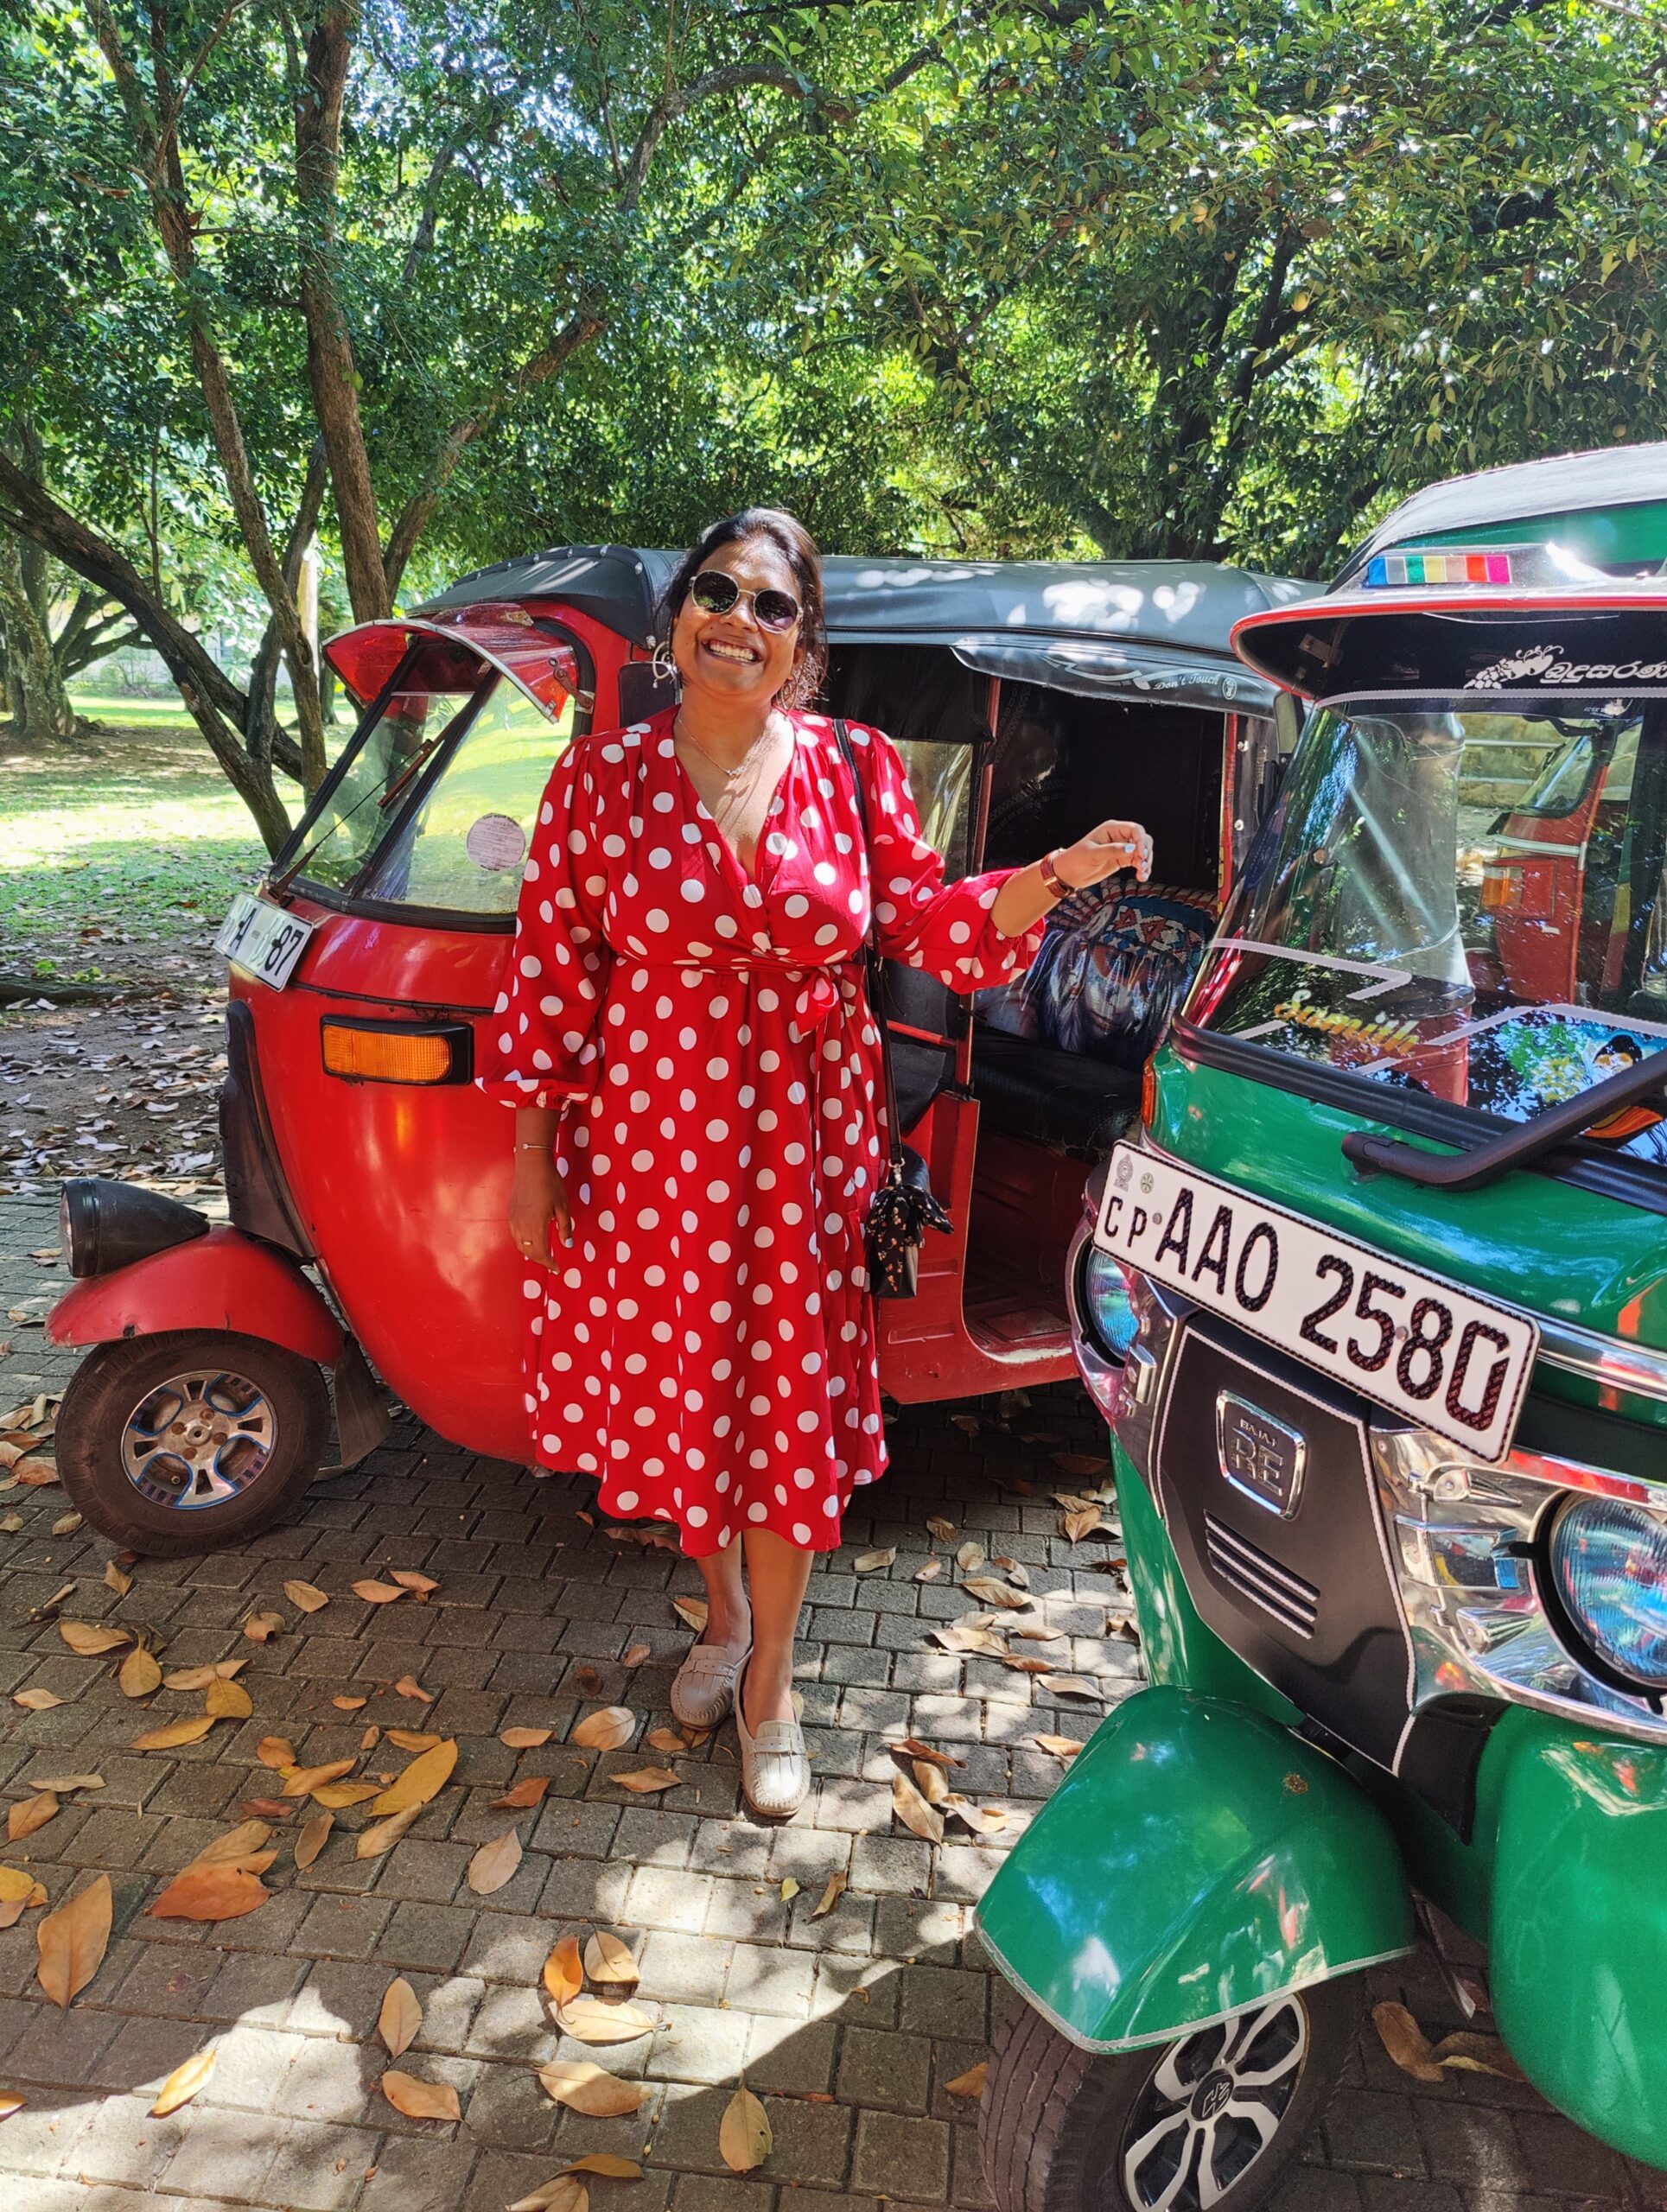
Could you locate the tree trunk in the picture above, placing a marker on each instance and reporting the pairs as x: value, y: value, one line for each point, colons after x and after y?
x: 41, y: 707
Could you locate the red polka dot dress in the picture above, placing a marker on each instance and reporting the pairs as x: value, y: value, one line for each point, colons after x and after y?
x: 705, y: 1346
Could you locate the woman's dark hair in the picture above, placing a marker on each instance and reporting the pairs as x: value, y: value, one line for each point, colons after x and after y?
x: 789, y: 536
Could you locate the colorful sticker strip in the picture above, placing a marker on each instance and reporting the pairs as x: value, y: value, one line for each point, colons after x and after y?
x: 1385, y: 569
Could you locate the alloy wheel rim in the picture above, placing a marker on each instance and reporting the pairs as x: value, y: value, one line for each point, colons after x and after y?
x: 1212, y: 2106
x: 199, y: 1439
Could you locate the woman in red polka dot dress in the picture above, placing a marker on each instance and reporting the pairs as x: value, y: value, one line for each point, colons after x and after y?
x: 697, y: 1084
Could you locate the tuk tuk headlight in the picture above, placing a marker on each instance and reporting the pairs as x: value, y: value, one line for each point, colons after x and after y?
x: 1609, y: 1565
x: 1105, y: 1294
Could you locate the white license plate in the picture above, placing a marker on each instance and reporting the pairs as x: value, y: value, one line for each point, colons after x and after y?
x: 263, y: 940
x: 1449, y: 1361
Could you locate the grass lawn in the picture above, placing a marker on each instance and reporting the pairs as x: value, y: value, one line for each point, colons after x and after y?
x: 125, y: 840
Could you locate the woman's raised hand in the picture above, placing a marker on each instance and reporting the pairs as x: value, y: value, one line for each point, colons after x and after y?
x: 1112, y: 846
x: 537, y: 1199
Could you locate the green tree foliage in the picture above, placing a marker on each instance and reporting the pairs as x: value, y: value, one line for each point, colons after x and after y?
x: 439, y: 281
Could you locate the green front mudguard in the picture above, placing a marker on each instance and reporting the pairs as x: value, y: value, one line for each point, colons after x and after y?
x: 1196, y: 1858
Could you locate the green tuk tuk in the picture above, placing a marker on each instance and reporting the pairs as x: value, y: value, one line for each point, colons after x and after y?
x: 1376, y: 1305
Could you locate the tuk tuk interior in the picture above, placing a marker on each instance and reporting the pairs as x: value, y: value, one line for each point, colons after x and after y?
x: 1030, y: 701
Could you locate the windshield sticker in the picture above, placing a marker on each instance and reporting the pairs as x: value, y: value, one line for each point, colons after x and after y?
x: 496, y: 843
x: 1544, y: 665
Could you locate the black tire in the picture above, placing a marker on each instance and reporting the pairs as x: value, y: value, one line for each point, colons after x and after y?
x: 1056, y: 2124
x: 272, y: 1404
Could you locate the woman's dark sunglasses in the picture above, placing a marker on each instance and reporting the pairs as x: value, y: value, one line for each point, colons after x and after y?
x: 715, y: 591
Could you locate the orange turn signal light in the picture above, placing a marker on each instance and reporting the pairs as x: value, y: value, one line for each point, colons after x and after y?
x: 391, y: 1052
x: 1149, y: 1094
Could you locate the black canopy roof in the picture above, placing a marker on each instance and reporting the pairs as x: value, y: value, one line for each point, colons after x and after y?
x: 1186, y: 604
x: 1567, y: 483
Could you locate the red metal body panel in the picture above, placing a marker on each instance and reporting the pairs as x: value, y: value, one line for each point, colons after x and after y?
x: 222, y: 1280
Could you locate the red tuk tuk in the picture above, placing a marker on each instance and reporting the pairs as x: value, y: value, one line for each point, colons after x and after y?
x: 367, y: 1179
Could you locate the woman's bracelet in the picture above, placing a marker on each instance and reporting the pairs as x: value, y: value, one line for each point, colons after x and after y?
x: 533, y: 1144
x: 1051, y: 880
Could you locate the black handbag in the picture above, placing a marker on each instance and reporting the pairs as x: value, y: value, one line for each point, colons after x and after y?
x: 903, y: 1207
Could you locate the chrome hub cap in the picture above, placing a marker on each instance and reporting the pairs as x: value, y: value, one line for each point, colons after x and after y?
x: 1213, y: 2105
x: 199, y: 1439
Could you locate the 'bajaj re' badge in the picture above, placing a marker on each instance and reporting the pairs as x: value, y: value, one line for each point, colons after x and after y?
x: 1259, y: 1455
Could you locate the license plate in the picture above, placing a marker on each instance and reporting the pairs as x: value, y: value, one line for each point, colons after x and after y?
x: 262, y: 939
x: 1419, y: 1346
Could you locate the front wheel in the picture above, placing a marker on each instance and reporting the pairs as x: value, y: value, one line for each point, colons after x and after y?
x: 1212, y: 2120
x: 182, y: 1442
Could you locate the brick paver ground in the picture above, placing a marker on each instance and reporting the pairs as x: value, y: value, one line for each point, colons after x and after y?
x: 848, y: 2026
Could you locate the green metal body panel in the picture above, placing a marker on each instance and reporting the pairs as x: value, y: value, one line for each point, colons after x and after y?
x: 1196, y: 1858
x: 1528, y: 1239
x: 1609, y: 538
x: 1177, y: 1647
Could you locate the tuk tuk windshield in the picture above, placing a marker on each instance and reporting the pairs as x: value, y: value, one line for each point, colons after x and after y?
x: 1460, y: 902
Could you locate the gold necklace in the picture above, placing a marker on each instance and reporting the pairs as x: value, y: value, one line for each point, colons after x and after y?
x: 728, y: 775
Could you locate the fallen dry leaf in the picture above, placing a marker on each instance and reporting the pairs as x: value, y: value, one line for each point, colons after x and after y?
x: 605, y: 2162
x: 423, y: 1780
x: 183, y: 2083
x: 1083, y: 1521
x: 583, y: 2086
x: 563, y: 1972
x: 929, y: 1781
x: 266, y: 1808
x: 1062, y: 1747
x: 173, y: 1733
x: 420, y: 2100
x: 413, y: 1739
x: 633, y: 1654
x: 971, y: 2083
x: 989, y: 1591
x: 236, y: 1847
x: 1034, y: 1632
x: 872, y: 1562
x: 11, y: 1523
x: 1017, y: 1660
x: 529, y: 1790
x: 408, y: 1579
x: 566, y: 2193
x: 1070, y: 1686
x: 66, y: 1524
x: 18, y: 1886
x: 371, y: 1737
x: 1405, y: 2041
x: 837, y: 1884
x: 938, y: 1527
x: 912, y: 1747
x: 307, y: 1596
x: 400, y: 2019
x: 607, y: 1730
x: 190, y: 1678
x: 744, y: 2139
x: 645, y: 1781
x: 89, y: 1641
x: 304, y: 1780
x: 609, y: 1960
x: 64, y: 1785
x: 336, y: 1797
x: 408, y: 1686
x: 261, y: 1628
x: 494, y: 1864
x: 789, y: 1890
x: 691, y: 1612
x: 911, y: 1807
x: 10, y: 2103
x: 277, y: 1751
x: 1475, y: 2054
x: 969, y: 1558
x: 38, y: 1700
x: 207, y: 1893
x: 138, y: 1675
x: 347, y: 1704
x: 228, y: 1700
x: 71, y: 1942
x: 959, y: 1636
x: 377, y: 1593
x: 1081, y: 1463
x: 592, y: 2020
x: 29, y: 1814
x: 314, y: 1836
x: 36, y: 1472
x: 373, y: 1841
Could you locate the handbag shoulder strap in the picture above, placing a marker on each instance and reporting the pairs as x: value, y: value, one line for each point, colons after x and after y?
x: 873, y: 964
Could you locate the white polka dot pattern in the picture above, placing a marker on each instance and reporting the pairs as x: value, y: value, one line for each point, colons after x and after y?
x: 707, y: 1345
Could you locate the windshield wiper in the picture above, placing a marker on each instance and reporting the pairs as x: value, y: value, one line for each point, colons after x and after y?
x: 1496, y: 1156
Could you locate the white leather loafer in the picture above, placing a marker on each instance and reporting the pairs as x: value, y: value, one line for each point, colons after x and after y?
x: 703, y: 1688
x: 775, y: 1769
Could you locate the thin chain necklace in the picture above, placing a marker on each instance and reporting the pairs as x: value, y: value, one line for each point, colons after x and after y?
x: 729, y: 775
